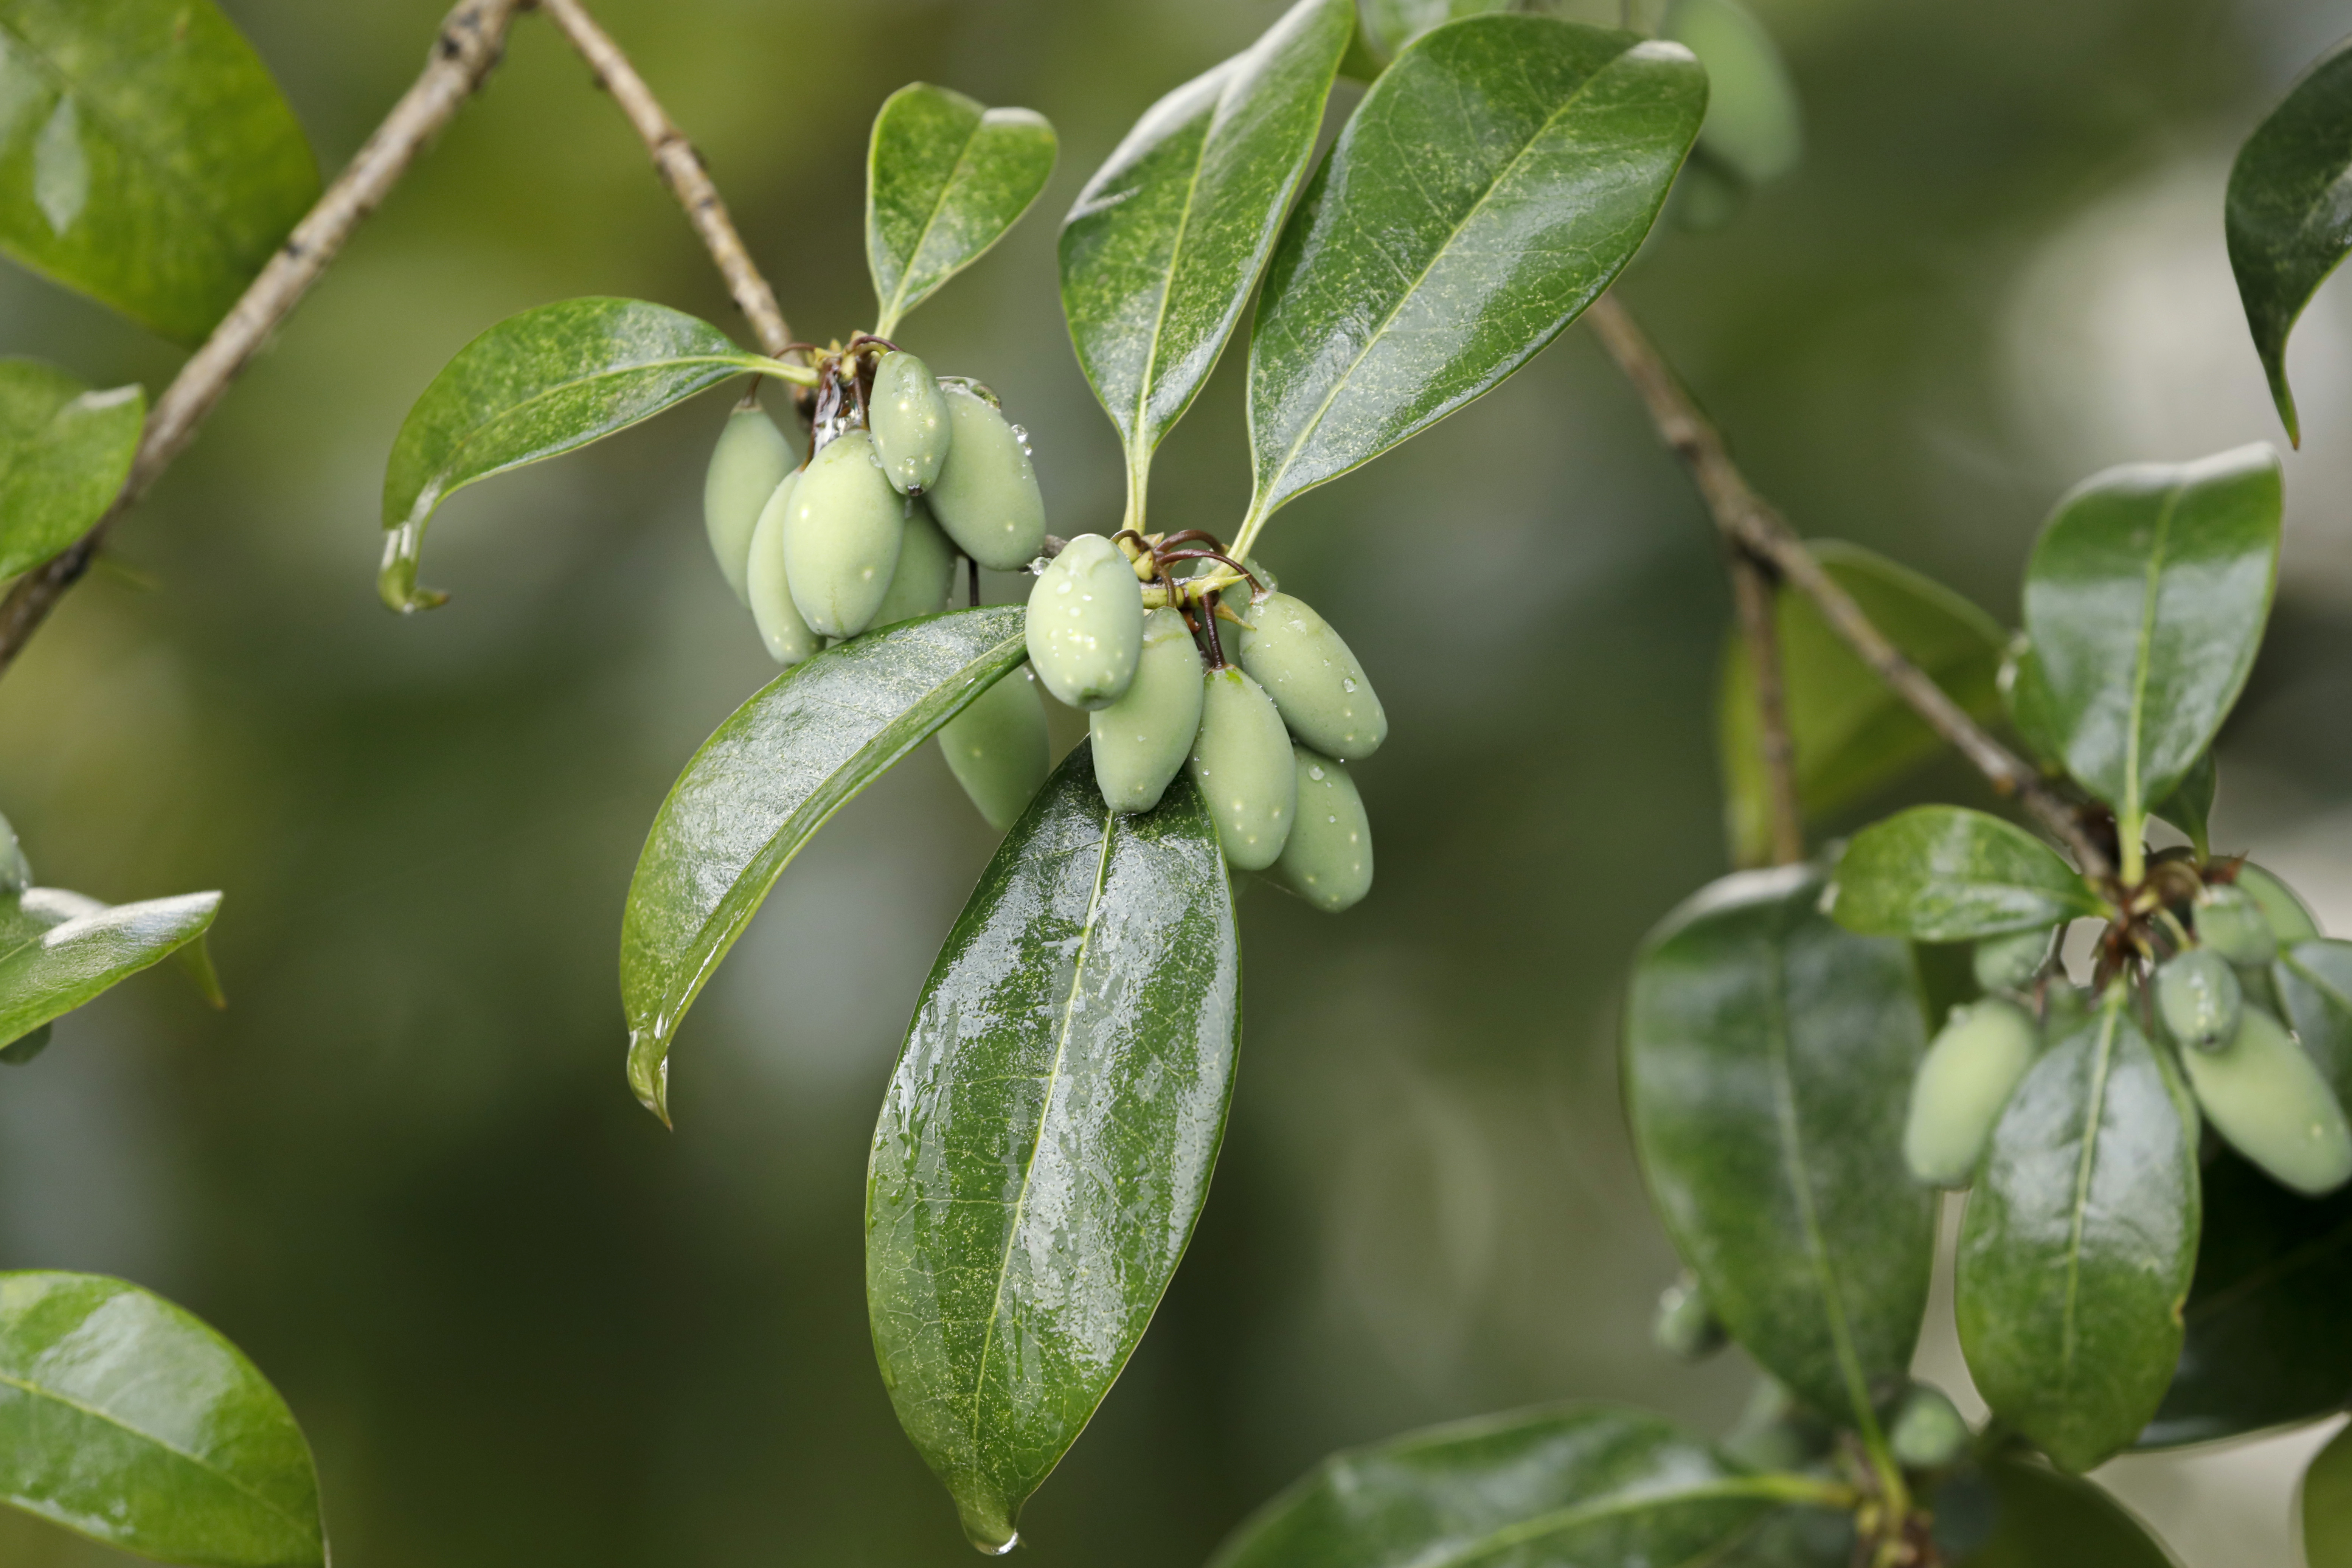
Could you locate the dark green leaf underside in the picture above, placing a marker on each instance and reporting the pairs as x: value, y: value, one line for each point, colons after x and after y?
x: 764, y: 783
x: 123, y: 1417
x: 1768, y: 1058
x: 146, y: 157
x: 1047, y: 1138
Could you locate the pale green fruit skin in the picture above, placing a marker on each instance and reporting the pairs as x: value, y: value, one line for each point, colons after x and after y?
x: 2290, y: 921
x: 1140, y: 742
x: 909, y: 417
x: 769, y: 593
x: 2199, y: 999
x: 2233, y: 924
x: 986, y: 494
x: 998, y: 749
x: 1236, y: 597
x: 842, y: 539
x: 1752, y: 121
x: 2010, y: 963
x: 1242, y: 761
x: 1328, y: 861
x: 752, y: 459
x: 1085, y: 624
x: 1970, y: 1068
x: 1314, y: 680
x: 925, y: 574
x: 1929, y: 1432
x: 2266, y: 1096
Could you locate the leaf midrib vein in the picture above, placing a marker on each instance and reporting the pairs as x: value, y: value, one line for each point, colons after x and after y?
x: 898, y: 306
x: 2134, y: 807
x: 2083, y: 1170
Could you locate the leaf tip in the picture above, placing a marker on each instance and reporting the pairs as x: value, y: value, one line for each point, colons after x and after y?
x: 396, y: 580
x: 649, y: 1071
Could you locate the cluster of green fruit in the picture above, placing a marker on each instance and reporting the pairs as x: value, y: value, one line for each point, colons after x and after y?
x: 1267, y: 739
x: 2255, y: 1083
x: 910, y: 472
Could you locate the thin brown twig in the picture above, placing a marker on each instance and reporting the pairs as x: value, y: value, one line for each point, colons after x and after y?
x: 471, y: 38
x: 681, y: 169
x: 1753, y: 594
x: 1749, y: 524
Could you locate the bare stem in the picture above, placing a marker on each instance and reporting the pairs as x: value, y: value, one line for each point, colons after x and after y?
x: 1752, y: 592
x: 681, y: 169
x: 471, y: 38
x: 1749, y: 524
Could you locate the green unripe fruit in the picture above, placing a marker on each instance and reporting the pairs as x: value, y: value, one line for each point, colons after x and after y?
x: 750, y: 461
x: 1314, y: 680
x: 920, y: 583
x: 1328, y: 859
x: 2231, y: 923
x: 1242, y: 761
x: 2264, y: 1095
x: 997, y: 749
x: 1752, y: 124
x: 1086, y: 623
x: 2288, y: 918
x: 788, y: 636
x: 909, y: 417
x: 842, y: 538
x: 2010, y: 963
x: 1140, y: 742
x: 1929, y: 1432
x: 1686, y: 1327
x: 2199, y: 998
x: 1966, y: 1077
x: 986, y: 493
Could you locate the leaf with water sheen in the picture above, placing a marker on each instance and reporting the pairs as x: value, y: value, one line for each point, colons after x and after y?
x: 2079, y: 1242
x: 2323, y: 1511
x: 2287, y: 221
x: 65, y: 451
x: 146, y: 157
x: 2145, y: 599
x: 1046, y: 1141
x: 1568, y: 1485
x: 1944, y: 873
x: 767, y: 779
x: 1768, y: 1058
x: 1390, y: 25
x: 1166, y: 241
x: 1497, y: 178
x: 945, y: 178
x: 2042, y: 1518
x: 534, y: 386
x: 124, y: 1418
x: 2265, y: 1344
x: 1853, y: 734
x: 58, y: 950
x: 2314, y: 986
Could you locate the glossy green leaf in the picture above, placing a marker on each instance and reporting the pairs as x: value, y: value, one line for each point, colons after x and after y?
x: 2079, y: 1241
x: 767, y: 779
x: 2042, y: 1518
x: 2190, y: 806
x: 2145, y: 599
x: 2265, y: 1344
x: 2314, y: 986
x: 2287, y: 222
x: 1853, y: 736
x: 125, y: 1418
x: 2025, y: 695
x: 1491, y: 185
x: 1046, y: 1141
x: 146, y: 157
x: 2323, y: 1511
x: 945, y: 178
x: 58, y: 950
x: 1944, y: 873
x: 1768, y: 1058
x: 1390, y: 25
x: 1555, y: 1487
x: 65, y: 451
x: 1169, y: 237
x: 539, y: 384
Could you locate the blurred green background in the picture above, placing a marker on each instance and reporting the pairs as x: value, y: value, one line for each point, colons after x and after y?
x: 523, y: 1324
